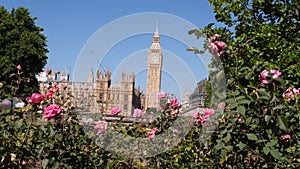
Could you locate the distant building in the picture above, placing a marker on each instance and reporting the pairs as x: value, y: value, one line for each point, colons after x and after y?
x: 197, y: 98
x: 186, y: 98
x: 155, y: 59
x: 98, y: 94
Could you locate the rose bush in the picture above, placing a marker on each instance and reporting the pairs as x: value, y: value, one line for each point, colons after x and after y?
x: 45, y: 133
x: 260, y: 124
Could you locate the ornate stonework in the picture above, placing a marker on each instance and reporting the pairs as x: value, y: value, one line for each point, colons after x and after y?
x: 155, y: 58
x: 100, y: 95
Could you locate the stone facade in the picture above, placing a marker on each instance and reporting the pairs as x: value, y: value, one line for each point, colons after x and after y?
x: 155, y: 58
x: 197, y: 98
x: 186, y: 98
x: 98, y: 95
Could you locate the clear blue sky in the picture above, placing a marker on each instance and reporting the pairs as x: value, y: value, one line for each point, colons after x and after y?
x: 70, y: 24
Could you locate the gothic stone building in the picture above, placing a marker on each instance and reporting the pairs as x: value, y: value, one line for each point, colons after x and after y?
x: 100, y: 95
x: 197, y: 97
x: 155, y: 58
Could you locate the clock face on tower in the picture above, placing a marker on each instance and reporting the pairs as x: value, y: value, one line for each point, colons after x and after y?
x: 154, y: 58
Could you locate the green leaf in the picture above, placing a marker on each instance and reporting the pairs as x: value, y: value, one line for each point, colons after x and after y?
x: 242, y: 145
x: 282, y: 123
x: 281, y: 81
x: 56, y: 165
x: 229, y: 148
x: 276, y: 154
x: 268, y: 118
x: 244, y: 68
x: 252, y: 137
x: 227, y: 138
x: 278, y: 107
x: 264, y: 98
x: 266, y: 150
x: 45, y: 162
x: 241, y: 110
x: 272, y: 143
x: 239, y: 98
x: 219, y: 146
x: 248, y: 120
x: 244, y: 101
x: 260, y: 141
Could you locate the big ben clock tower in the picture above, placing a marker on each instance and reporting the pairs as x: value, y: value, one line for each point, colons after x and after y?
x: 154, y: 71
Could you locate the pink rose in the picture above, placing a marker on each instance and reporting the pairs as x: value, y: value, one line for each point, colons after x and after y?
x: 175, y: 131
x: 202, y: 119
x: 209, y: 112
x: 213, y: 49
x: 275, y: 73
x: 199, y: 119
x: 51, y: 111
x: 263, y: 76
x: 154, y: 130
x: 264, y: 81
x: 49, y: 94
x: 100, y: 127
x: 36, y: 98
x: 174, y: 103
x: 5, y: 103
x: 28, y: 99
x: 286, y: 137
x: 221, y: 105
x: 138, y: 113
x: 19, y: 67
x: 115, y: 111
x: 151, y: 134
x: 288, y: 94
x: 195, y: 115
x: 220, y: 45
x: 161, y: 95
x: 216, y: 47
x: 296, y: 91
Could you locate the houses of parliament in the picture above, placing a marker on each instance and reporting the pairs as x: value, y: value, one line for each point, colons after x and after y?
x: 99, y: 94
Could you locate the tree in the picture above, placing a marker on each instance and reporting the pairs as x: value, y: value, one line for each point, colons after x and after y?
x: 21, y: 43
x: 260, y: 126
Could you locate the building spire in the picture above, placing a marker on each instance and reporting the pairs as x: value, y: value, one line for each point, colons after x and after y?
x: 91, y: 76
x: 156, y: 38
x: 156, y: 30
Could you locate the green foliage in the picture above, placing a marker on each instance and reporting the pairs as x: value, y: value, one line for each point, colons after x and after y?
x: 21, y: 42
x: 259, y: 35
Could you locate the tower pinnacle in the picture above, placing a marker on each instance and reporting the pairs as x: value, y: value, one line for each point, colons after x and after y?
x: 156, y: 37
x: 156, y: 30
